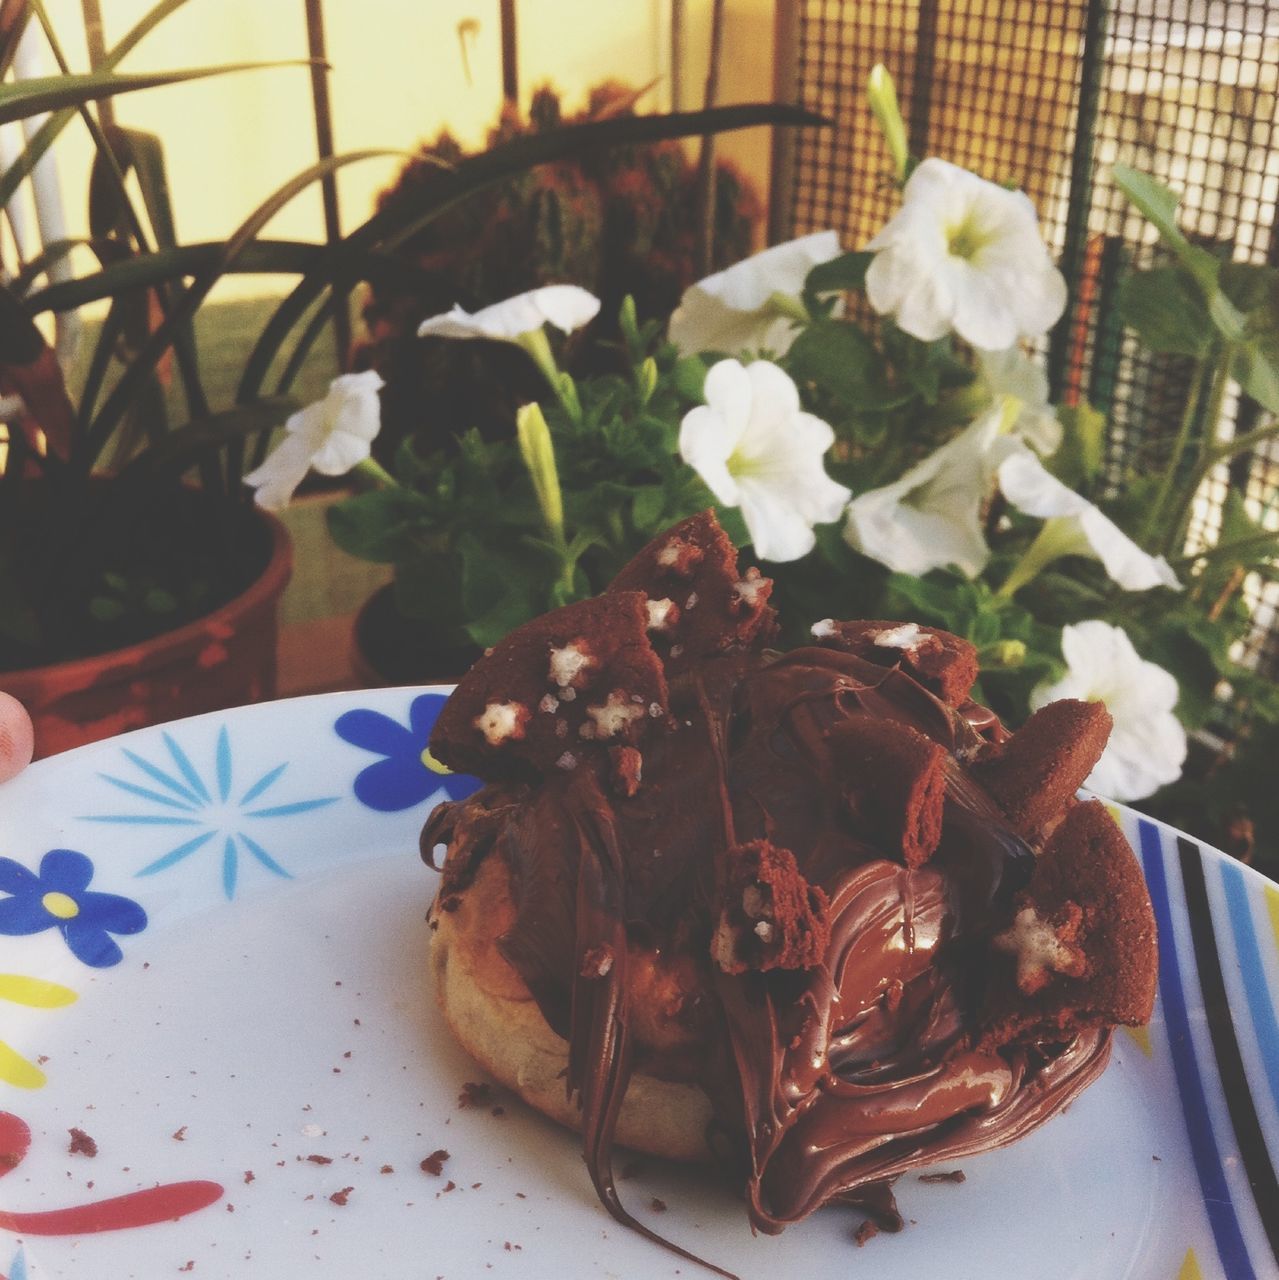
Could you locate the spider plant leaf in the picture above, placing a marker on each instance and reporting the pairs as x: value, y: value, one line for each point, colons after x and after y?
x: 22, y: 98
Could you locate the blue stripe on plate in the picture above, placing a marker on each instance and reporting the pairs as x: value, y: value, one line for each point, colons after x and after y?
x: 1261, y: 1002
x: 1194, y: 1104
x: 1257, y: 1165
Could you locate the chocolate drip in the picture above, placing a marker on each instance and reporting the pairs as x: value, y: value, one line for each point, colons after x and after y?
x: 832, y: 1081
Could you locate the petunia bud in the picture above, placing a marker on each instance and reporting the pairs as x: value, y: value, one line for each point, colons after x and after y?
x: 883, y: 102
x: 538, y: 453
x: 646, y: 380
x: 1006, y: 653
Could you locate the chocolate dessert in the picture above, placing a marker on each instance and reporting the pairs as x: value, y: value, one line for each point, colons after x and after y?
x: 815, y: 914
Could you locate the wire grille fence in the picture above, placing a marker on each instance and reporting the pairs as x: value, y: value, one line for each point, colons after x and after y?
x: 1048, y: 94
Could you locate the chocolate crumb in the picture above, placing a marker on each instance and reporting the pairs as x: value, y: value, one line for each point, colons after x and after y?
x: 434, y: 1163
x: 386, y: 1168
x: 657, y: 1206
x: 180, y: 1135
x: 248, y: 1177
x: 450, y: 1185
x: 190, y: 1265
x: 341, y: 1197
x: 319, y: 1159
x: 867, y: 1231
x: 474, y: 1095
x: 954, y: 1175
x: 81, y: 1144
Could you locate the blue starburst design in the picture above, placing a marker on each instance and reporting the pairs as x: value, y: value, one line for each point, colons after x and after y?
x: 207, y: 810
x: 18, y: 1267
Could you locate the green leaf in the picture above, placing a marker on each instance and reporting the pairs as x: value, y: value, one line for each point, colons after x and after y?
x: 1159, y: 204
x: 148, y: 270
x: 157, y: 600
x: 842, y: 361
x: 54, y: 252
x: 1255, y: 290
x: 1078, y: 461
x: 381, y: 525
x: 927, y: 367
x: 499, y: 591
x: 183, y: 446
x: 44, y: 137
x: 647, y: 506
x: 689, y: 376
x: 1219, y: 571
x: 20, y: 99
x: 1256, y: 367
x: 104, y: 609
x: 839, y: 275
x: 1166, y: 307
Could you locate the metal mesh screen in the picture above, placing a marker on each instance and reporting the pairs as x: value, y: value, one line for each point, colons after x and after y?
x: 1048, y: 94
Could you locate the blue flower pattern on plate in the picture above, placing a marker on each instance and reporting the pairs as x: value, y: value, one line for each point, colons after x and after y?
x: 58, y: 897
x: 206, y: 806
x: 407, y: 774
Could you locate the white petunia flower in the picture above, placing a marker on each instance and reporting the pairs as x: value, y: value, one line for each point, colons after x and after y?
x: 1147, y: 747
x: 1075, y: 527
x: 1013, y: 373
x: 964, y: 254
x: 742, y: 308
x: 756, y: 449
x: 932, y: 516
x: 330, y: 436
x: 566, y: 306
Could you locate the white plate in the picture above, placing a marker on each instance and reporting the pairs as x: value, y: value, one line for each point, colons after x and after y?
x: 273, y: 1006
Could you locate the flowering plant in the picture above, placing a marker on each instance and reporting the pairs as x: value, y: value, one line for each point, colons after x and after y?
x: 893, y: 457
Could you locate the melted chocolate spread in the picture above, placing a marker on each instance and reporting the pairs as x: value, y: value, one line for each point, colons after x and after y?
x: 827, y: 1084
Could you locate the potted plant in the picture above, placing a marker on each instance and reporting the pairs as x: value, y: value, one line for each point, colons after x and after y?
x: 133, y: 568
x: 895, y: 459
x: 135, y: 582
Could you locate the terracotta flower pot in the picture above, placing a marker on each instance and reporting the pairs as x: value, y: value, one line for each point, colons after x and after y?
x: 221, y: 660
x: 389, y: 649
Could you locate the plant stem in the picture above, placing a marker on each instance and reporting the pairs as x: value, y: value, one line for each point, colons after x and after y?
x: 372, y: 469
x: 1209, y: 455
x: 537, y: 345
x: 1188, y: 416
x: 1229, y: 548
x: 1058, y: 537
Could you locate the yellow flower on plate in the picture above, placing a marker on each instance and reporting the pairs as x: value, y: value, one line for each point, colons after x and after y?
x: 34, y: 993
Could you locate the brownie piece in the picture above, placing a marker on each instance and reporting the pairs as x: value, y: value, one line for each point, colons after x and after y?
x: 698, y: 603
x: 1033, y: 776
x: 770, y: 917
x: 893, y: 780
x: 560, y: 689
x: 941, y: 662
x: 1080, y: 949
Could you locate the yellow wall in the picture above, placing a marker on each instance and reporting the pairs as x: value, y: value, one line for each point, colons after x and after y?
x: 398, y: 75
